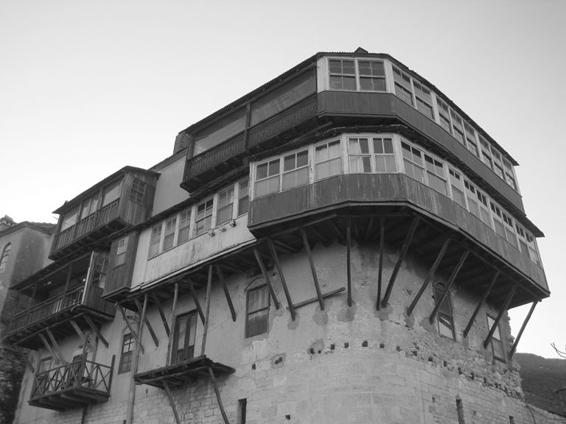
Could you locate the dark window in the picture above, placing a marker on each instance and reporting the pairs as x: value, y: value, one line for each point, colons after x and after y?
x: 242, y: 406
x: 257, y: 311
x: 184, y: 337
x: 444, y: 316
x: 126, y: 353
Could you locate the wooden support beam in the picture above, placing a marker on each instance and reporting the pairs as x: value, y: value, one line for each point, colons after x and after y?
x: 95, y: 330
x: 267, y: 278
x: 55, y: 345
x: 172, y: 324
x: 161, y: 314
x: 49, y: 348
x: 430, y: 275
x: 449, y: 285
x: 380, y: 269
x: 207, y: 313
x: 147, y: 323
x: 526, y: 320
x: 195, y: 299
x: 337, y: 232
x: 402, y: 254
x: 218, y: 399
x: 320, y: 236
x: 226, y: 292
x: 282, y: 278
x: 315, y: 299
x: 313, y: 269
x: 348, y: 259
x: 285, y: 246
x: 135, y: 364
x: 132, y: 332
x: 78, y: 330
x: 502, y: 311
x: 480, y: 304
x: 171, y: 402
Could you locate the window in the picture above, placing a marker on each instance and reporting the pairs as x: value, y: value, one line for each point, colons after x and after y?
x: 444, y: 115
x: 384, y: 155
x: 403, y: 88
x: 155, y: 240
x: 111, y: 194
x: 203, y: 217
x: 413, y: 159
x: 70, y: 219
x: 424, y: 99
x: 509, y: 229
x: 295, y: 170
x: 342, y: 74
x: 457, y: 186
x: 372, y: 75
x: 267, y: 178
x: 184, y: 337
x: 509, y: 175
x: 471, y: 142
x: 484, y: 208
x: 471, y: 197
x: 360, y: 157
x: 225, y: 206
x: 5, y: 256
x: 126, y: 353
x: 328, y: 160
x: 184, y: 225
x: 486, y: 152
x: 121, y: 248
x: 497, y: 166
x: 444, y: 317
x: 89, y: 207
x: 496, y: 341
x: 169, y: 233
x: 137, y: 193
x: 374, y: 156
x: 243, y: 197
x: 457, y: 126
x: 497, y: 219
x: 435, y: 173
x: 257, y: 311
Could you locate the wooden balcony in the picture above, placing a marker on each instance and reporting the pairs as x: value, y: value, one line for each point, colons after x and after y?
x: 71, y: 386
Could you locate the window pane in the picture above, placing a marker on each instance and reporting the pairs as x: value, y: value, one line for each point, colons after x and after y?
x: 261, y: 171
x: 244, y: 201
x: 267, y: 186
x: 289, y: 163
x: 169, y: 235
x: 328, y: 168
x: 184, y: 222
x: 155, y: 239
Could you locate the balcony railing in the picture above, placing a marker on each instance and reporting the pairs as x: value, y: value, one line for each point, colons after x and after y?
x: 87, y: 225
x: 46, y: 309
x: 72, y: 385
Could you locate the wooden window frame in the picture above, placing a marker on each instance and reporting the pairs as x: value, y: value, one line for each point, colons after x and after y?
x: 190, y: 333
x: 125, y: 363
x: 257, y: 311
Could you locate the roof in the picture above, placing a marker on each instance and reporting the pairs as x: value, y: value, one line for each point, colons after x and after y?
x: 311, y: 61
x: 88, y: 192
x: 43, y: 227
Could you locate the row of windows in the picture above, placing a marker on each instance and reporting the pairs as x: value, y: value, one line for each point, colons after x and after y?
x: 370, y: 75
x: 198, y: 219
x: 388, y: 153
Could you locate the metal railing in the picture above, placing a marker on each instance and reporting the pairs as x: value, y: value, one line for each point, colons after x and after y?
x: 73, y: 376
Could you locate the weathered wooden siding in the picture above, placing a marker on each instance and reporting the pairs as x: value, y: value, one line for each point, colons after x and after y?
x: 119, y: 277
x: 376, y: 189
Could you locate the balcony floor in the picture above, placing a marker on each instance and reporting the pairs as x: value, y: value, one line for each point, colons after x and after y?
x: 72, y: 398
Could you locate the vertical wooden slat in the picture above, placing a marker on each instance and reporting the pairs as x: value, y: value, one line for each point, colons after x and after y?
x: 480, y: 304
x: 282, y: 278
x: 207, y: 313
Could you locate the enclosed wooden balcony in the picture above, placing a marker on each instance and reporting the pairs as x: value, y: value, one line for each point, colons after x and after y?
x: 123, y: 199
x: 60, y: 298
x: 71, y: 386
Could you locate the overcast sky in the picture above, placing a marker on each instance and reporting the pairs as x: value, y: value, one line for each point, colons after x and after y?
x: 87, y: 87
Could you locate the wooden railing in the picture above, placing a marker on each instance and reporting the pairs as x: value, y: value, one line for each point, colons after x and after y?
x: 86, y: 225
x: 43, y: 310
x: 81, y: 374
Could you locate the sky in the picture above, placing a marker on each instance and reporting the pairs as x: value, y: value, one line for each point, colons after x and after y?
x: 89, y: 87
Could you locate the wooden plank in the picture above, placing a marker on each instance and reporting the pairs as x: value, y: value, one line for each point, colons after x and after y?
x: 96, y: 331
x: 207, y: 313
x: 313, y: 269
x: 315, y: 299
x: 226, y: 292
x: 132, y: 332
x: 380, y: 270
x: 526, y: 320
x: 218, y: 399
x: 147, y: 323
x: 172, y: 324
x: 195, y: 299
x: 430, y: 275
x: 449, y: 285
x: 266, y: 277
x: 161, y: 314
x: 402, y: 254
x: 502, y: 311
x: 282, y: 278
x: 480, y: 304
x: 171, y: 402
x: 348, y: 259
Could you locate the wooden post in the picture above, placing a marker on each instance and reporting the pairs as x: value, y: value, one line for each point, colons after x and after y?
x: 502, y: 311
x: 267, y: 278
x: 218, y: 399
x: 527, y: 318
x: 226, y: 292
x: 171, y: 401
x: 348, y: 259
x: 480, y: 304
x: 380, y: 271
x: 282, y: 278
x: 404, y: 250
x: 135, y: 363
x: 313, y: 269
x: 448, y: 285
x: 430, y: 275
x: 207, y: 313
x: 173, y: 312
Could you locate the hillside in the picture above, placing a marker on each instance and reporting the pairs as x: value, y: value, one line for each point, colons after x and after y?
x: 541, y: 378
